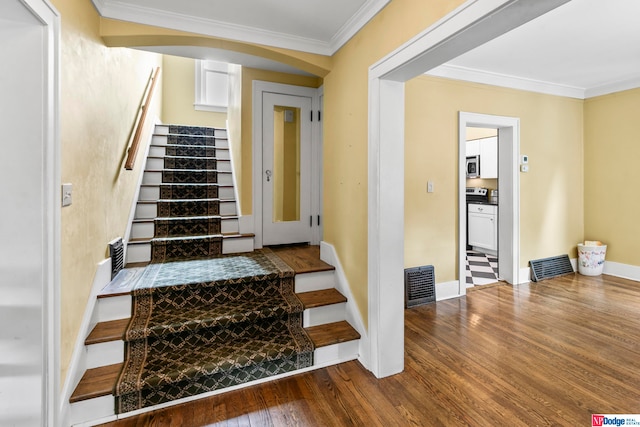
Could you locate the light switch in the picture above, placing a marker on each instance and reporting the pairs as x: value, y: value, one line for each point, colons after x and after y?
x: 524, y: 168
x: 66, y: 194
x: 430, y: 187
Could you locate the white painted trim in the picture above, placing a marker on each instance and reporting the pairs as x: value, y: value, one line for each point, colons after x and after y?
x: 612, y: 87
x: 77, y: 366
x: 448, y: 290
x: 136, y: 195
x: 503, y: 80
x: 47, y: 261
x: 470, y: 25
x: 368, y: 10
x: 230, y: 143
x: 260, y: 87
x: 457, y: 72
x: 524, y: 275
x: 509, y: 189
x: 329, y: 255
x: 626, y: 271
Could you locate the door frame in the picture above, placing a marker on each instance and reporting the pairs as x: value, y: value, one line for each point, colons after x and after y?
x: 470, y: 25
x: 45, y: 193
x: 259, y: 88
x: 508, y: 191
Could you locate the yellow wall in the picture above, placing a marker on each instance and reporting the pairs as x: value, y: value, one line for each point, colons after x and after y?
x: 179, y: 95
x: 551, y: 199
x: 101, y: 90
x: 611, y: 173
x: 345, y: 130
x: 245, y: 176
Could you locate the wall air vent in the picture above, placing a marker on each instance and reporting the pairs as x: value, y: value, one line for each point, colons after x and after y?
x: 116, y: 252
x: 547, y: 268
x: 419, y: 286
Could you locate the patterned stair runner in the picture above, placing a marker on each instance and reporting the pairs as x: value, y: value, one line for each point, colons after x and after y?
x: 188, y: 223
x: 203, y: 325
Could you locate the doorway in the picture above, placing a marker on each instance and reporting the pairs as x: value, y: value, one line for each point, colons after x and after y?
x: 470, y: 25
x: 286, y: 157
x: 30, y: 222
x: 508, y: 186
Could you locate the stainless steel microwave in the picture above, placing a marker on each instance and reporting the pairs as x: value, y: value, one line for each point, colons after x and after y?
x: 473, y: 167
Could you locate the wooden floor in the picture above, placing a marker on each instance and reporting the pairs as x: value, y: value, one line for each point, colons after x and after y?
x: 548, y: 353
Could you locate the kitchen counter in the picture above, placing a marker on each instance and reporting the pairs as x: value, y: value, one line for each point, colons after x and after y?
x: 482, y: 203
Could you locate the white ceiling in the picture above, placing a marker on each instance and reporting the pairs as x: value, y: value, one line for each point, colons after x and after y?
x: 583, y: 48
x: 320, y: 27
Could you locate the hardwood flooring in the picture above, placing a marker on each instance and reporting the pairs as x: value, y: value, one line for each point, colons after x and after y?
x: 548, y: 353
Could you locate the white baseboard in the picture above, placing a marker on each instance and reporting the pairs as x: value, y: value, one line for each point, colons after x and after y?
x: 329, y: 255
x: 625, y: 271
x: 77, y: 365
x: 448, y: 290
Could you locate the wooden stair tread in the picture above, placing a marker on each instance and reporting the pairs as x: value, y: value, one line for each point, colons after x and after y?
x: 321, y: 298
x: 302, y: 258
x: 332, y: 333
x: 136, y: 264
x: 96, y: 382
x: 112, y: 330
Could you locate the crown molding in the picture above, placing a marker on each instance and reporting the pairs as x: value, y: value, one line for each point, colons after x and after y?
x: 503, y: 80
x: 356, y: 22
x: 149, y: 16
x: 513, y: 82
x: 612, y: 87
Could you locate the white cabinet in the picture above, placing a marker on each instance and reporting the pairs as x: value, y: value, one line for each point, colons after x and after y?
x: 488, y: 157
x: 473, y: 148
x: 487, y: 149
x: 483, y: 228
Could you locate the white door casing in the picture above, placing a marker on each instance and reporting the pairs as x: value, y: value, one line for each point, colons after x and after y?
x: 30, y: 224
x: 473, y: 23
x: 260, y: 90
x: 299, y: 229
x: 508, y: 190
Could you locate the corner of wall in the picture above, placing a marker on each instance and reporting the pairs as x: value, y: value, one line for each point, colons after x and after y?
x: 329, y: 255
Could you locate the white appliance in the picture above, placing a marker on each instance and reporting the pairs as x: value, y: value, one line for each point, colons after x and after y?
x: 473, y: 167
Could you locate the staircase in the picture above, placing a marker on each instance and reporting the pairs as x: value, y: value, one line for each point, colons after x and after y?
x: 177, y: 219
x: 186, y: 205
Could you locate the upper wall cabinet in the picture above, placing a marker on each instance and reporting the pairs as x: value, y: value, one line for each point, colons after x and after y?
x: 473, y: 148
x: 488, y: 157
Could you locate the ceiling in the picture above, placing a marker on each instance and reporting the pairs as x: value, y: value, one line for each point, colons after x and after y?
x: 581, y: 49
x: 320, y: 27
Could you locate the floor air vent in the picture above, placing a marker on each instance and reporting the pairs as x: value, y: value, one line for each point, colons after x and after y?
x: 419, y: 286
x: 547, y: 268
x: 116, y: 252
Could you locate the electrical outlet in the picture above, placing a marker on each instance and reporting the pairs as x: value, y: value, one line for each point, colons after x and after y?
x: 430, y: 187
x: 66, y: 194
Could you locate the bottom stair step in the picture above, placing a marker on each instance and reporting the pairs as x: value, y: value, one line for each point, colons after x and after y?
x: 186, y: 364
x: 96, y: 382
x: 332, y: 333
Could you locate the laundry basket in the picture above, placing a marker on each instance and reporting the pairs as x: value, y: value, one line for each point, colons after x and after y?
x: 591, y: 258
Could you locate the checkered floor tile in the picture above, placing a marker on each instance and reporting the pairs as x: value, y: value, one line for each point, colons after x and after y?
x: 481, y: 269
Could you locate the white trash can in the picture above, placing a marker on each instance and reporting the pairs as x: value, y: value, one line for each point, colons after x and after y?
x: 591, y: 259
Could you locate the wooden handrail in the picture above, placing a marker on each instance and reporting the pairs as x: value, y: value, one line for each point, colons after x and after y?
x: 133, y: 150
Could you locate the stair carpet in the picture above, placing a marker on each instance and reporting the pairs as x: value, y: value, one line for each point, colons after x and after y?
x: 186, y: 206
x: 323, y: 317
x: 334, y: 339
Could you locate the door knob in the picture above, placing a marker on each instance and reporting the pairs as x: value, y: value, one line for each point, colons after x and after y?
x: 268, y: 173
